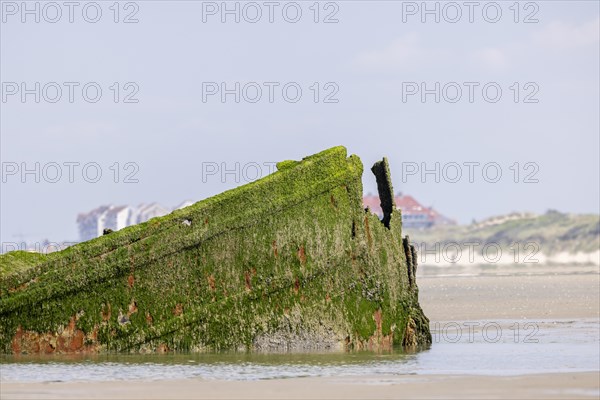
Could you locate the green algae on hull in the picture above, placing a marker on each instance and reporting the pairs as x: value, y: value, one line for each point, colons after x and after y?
x: 288, y: 262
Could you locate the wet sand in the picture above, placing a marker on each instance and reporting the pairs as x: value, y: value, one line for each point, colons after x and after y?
x: 545, y: 386
x: 544, y: 296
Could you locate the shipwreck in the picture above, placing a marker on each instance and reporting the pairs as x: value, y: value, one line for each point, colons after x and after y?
x: 288, y: 262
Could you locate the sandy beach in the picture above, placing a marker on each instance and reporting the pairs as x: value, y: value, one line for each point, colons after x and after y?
x: 546, y: 296
x: 549, y: 294
x: 547, y: 386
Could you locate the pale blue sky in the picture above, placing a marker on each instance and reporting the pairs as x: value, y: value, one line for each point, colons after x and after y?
x: 368, y: 54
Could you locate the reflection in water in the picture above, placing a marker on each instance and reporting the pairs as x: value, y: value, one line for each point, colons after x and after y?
x: 562, y: 346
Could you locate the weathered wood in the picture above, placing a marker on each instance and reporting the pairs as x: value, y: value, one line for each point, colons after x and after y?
x: 289, y: 262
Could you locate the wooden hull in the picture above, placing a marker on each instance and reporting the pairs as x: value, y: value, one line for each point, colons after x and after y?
x: 289, y: 262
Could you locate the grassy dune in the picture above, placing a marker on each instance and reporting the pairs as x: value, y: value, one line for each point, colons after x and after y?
x: 554, y: 232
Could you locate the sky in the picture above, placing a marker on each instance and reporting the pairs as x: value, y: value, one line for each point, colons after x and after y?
x: 484, y: 111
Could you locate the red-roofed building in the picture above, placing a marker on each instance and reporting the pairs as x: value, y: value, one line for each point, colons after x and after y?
x: 414, y: 214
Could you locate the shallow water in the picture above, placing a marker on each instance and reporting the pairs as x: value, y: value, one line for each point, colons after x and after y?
x: 501, y: 347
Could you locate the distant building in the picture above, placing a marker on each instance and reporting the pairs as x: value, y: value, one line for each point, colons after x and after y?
x: 92, y: 224
x: 117, y: 218
x: 414, y: 214
x: 145, y: 212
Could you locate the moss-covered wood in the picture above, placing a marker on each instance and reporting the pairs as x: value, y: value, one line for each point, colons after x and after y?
x: 291, y: 261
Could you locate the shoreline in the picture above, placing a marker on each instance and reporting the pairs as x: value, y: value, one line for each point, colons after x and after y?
x: 547, y: 298
x: 576, y: 385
